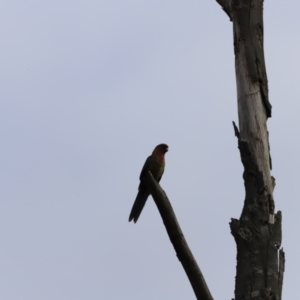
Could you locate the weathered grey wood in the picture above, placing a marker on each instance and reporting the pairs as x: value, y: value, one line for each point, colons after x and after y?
x: 258, y: 231
x: 252, y: 84
x: 281, y: 271
x: 176, y: 236
x: 225, y: 4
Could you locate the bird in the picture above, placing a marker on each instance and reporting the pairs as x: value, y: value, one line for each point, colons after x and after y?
x: 155, y: 163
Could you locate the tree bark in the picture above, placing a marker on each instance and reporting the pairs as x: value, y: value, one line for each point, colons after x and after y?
x: 258, y: 231
x: 176, y: 236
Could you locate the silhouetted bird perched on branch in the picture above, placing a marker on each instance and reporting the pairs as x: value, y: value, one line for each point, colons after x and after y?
x: 155, y: 163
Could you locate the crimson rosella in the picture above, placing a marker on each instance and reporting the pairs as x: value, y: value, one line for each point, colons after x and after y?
x: 155, y: 163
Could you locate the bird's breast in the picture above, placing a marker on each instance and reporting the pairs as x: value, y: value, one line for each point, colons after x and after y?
x: 157, y: 167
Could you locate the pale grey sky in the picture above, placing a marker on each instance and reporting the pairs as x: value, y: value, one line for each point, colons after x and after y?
x: 88, y: 89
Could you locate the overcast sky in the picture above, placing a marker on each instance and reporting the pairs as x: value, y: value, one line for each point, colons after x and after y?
x: 88, y: 89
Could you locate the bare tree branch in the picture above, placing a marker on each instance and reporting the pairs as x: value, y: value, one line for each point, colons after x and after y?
x: 176, y: 236
x: 225, y: 4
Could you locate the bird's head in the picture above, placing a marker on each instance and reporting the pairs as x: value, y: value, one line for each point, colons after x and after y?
x: 161, y: 148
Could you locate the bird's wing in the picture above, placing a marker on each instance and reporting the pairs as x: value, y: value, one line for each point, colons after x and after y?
x: 145, y: 168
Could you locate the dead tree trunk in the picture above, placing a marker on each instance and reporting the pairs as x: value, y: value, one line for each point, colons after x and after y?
x: 260, y: 263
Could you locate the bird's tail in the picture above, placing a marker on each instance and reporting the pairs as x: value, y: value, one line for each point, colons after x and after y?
x: 138, y: 205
